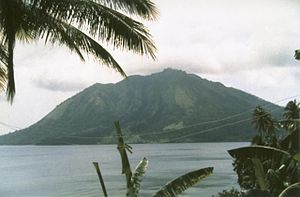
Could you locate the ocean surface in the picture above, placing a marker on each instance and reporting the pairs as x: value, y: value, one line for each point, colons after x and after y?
x: 68, y: 170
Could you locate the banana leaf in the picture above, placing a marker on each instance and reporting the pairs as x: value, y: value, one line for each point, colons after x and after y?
x: 180, y: 184
x: 136, y: 178
x: 263, y: 153
x: 260, y: 174
x: 280, y: 168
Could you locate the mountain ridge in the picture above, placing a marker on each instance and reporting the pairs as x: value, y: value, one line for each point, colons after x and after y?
x: 143, y: 104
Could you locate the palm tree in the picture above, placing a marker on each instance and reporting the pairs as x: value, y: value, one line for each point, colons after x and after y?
x: 77, y: 24
x: 291, y: 124
x: 264, y: 123
x: 292, y: 110
x: 292, y: 115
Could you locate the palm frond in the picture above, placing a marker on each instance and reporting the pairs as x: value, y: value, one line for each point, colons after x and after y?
x: 11, y: 22
x: 262, y: 120
x: 96, y: 165
x: 10, y: 88
x: 143, y: 8
x: 291, y: 191
x: 102, y: 22
x: 3, y: 66
x: 3, y: 79
x: 78, y: 24
x: 9, y: 25
x: 292, y: 110
x: 54, y: 31
x: 180, y: 184
x: 137, y: 176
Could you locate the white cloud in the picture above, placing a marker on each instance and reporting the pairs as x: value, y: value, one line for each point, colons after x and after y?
x: 245, y: 44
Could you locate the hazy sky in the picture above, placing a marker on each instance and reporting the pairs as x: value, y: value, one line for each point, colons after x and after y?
x: 246, y: 44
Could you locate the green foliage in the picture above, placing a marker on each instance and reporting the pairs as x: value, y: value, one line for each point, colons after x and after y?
x: 259, y: 173
x: 180, y: 184
x: 291, y: 125
x: 266, y: 127
x: 264, y: 168
x: 230, y: 193
x: 292, y: 116
x: 257, y: 140
x: 148, y: 105
x: 257, y: 193
x: 136, y: 179
x: 64, y: 22
x: 262, y: 120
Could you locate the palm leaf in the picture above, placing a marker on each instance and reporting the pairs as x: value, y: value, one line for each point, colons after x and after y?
x: 9, y: 26
x: 3, y: 78
x: 291, y: 111
x: 10, y: 88
x: 96, y: 165
x: 3, y: 55
x: 291, y: 191
x: 143, y: 8
x: 78, y: 24
x: 102, y: 22
x: 3, y: 65
x: 62, y: 33
x: 137, y: 176
x: 180, y: 184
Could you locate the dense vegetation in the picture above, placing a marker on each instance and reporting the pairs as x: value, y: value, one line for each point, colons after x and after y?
x: 170, y: 102
x: 270, y: 166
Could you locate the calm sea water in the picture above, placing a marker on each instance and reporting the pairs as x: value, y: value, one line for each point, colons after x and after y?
x: 68, y: 170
